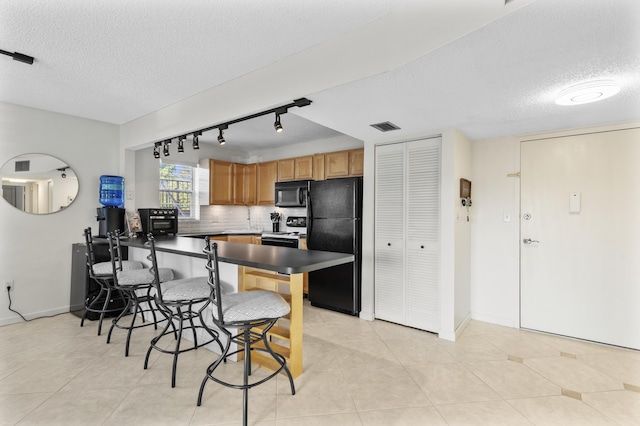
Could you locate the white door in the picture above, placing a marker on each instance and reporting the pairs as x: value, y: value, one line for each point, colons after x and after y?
x: 407, y: 234
x: 389, y: 233
x: 580, y: 236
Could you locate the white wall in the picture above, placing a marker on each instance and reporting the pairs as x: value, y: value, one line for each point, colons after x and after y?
x: 35, y: 250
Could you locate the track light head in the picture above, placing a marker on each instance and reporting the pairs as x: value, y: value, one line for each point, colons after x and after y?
x: 196, y: 143
x: 165, y: 150
x: 156, y: 149
x: 221, y: 140
x: 181, y: 143
x: 277, y: 125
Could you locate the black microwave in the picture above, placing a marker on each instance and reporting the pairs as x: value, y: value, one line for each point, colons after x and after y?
x: 159, y: 221
x: 291, y: 194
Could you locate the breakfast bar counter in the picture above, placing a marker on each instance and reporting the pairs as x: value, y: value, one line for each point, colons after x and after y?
x: 244, y: 267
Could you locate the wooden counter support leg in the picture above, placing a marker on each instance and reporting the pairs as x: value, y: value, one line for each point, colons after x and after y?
x: 295, y: 362
x: 254, y: 279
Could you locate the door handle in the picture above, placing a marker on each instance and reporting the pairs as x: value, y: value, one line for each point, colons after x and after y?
x: 529, y: 241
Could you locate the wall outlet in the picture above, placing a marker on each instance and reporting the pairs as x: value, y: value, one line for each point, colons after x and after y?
x: 10, y: 284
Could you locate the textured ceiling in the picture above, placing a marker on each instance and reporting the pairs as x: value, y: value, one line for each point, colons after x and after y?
x: 117, y: 60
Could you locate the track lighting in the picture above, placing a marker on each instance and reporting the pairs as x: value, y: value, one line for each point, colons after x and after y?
x: 302, y: 102
x: 62, y: 172
x: 277, y: 125
x: 196, y: 143
x: 20, y: 57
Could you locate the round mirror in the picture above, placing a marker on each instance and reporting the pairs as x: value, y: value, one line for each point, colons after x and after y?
x: 38, y: 183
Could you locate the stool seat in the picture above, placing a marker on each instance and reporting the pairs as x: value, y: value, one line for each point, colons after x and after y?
x: 106, y: 268
x: 252, y: 306
x: 185, y: 289
x: 143, y: 276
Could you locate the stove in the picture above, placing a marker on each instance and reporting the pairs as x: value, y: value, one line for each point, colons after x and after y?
x: 282, y: 239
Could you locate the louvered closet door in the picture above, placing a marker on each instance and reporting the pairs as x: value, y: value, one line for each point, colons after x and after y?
x: 423, y: 234
x: 389, y: 233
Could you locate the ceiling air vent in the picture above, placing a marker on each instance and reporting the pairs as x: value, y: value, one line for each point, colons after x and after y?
x: 387, y: 126
x: 22, y: 166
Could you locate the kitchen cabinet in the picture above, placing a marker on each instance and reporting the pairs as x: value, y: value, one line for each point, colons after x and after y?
x: 286, y: 169
x: 318, y: 167
x: 344, y: 163
x: 356, y: 162
x: 244, y: 188
x: 267, y: 175
x: 303, y: 167
x: 305, y: 276
x: 297, y: 168
x: 220, y: 182
x: 407, y: 224
x: 246, y: 239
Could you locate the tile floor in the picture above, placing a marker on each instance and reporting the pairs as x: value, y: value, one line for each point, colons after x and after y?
x: 53, y: 372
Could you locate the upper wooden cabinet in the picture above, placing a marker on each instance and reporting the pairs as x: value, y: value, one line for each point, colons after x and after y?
x: 356, y: 162
x: 244, y: 188
x: 303, y: 167
x: 267, y: 175
x: 318, y: 167
x: 220, y: 182
x: 344, y: 163
x: 286, y: 169
x: 298, y: 168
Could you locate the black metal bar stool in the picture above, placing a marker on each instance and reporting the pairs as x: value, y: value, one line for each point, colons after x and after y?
x: 103, y: 273
x: 251, y: 315
x: 181, y: 301
x: 137, y: 287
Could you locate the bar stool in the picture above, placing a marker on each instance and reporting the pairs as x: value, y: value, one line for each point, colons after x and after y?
x: 182, y: 301
x: 251, y: 314
x: 103, y: 273
x: 137, y: 287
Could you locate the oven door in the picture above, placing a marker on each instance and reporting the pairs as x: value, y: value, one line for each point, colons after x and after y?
x: 280, y: 242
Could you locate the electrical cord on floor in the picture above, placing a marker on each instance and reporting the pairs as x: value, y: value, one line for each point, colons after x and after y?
x: 13, y: 310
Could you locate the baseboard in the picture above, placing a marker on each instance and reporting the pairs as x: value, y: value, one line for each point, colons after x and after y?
x: 507, y: 322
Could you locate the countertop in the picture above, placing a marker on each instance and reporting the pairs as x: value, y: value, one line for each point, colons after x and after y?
x: 280, y: 259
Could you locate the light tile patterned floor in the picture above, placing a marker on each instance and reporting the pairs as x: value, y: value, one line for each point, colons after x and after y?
x: 52, y: 372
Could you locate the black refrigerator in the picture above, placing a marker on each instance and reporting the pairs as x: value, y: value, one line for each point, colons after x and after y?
x: 334, y: 223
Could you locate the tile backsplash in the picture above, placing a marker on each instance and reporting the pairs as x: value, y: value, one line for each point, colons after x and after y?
x: 230, y: 218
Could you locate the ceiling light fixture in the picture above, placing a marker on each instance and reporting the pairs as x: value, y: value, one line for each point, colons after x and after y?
x: 221, y: 140
x: 156, y: 149
x: 20, y: 57
x: 590, y: 91
x: 165, y: 150
x: 277, y: 125
x: 196, y: 137
x: 181, y: 143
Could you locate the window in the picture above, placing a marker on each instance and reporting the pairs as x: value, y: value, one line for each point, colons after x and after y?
x: 178, y: 189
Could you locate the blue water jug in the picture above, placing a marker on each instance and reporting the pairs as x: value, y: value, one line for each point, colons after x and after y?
x: 111, y: 191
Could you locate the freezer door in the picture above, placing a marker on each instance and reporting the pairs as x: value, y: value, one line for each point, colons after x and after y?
x: 335, y: 198
x: 338, y: 235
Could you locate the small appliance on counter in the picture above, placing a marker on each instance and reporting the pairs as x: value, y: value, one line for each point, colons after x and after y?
x: 110, y: 219
x: 159, y: 221
x: 275, y: 221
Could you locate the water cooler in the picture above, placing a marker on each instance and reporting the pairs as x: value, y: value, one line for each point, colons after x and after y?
x: 111, y: 216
